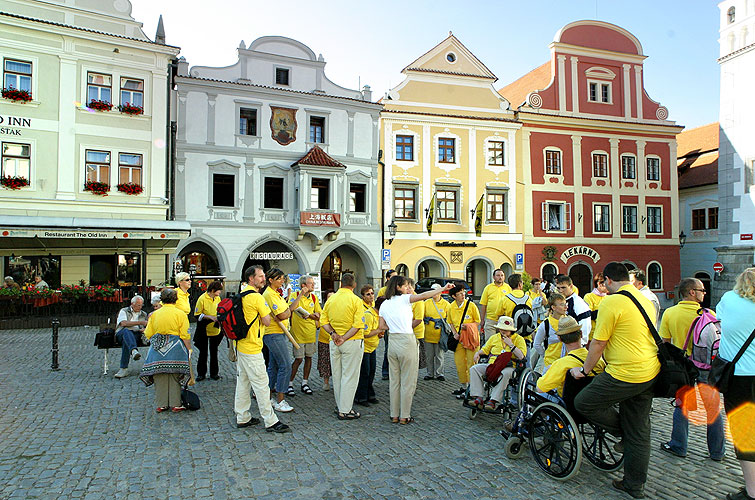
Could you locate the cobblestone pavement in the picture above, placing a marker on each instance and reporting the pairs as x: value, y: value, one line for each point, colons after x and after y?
x: 76, y: 433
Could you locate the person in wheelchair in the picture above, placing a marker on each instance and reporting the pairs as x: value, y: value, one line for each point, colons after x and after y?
x: 504, y: 340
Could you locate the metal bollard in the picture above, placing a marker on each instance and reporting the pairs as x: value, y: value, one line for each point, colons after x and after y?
x: 55, y: 325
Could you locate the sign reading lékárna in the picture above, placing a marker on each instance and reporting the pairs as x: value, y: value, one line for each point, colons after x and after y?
x: 580, y: 250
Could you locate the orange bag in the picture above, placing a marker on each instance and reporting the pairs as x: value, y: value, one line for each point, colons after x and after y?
x: 470, y: 336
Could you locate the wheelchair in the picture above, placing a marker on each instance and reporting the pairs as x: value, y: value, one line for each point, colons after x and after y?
x: 511, y: 402
x: 558, y: 438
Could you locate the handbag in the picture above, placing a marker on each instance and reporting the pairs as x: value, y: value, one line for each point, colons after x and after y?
x: 190, y: 400
x: 677, y: 370
x: 445, y: 329
x: 494, y: 369
x: 722, y: 371
x: 453, y: 342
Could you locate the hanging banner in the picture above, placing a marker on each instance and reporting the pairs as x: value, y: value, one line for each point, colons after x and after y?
x: 430, y: 216
x: 479, y: 214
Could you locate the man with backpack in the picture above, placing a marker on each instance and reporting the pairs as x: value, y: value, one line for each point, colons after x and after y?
x: 518, y: 305
x: 696, y: 330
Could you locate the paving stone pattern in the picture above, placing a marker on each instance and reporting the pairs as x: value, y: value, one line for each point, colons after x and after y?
x: 76, y: 433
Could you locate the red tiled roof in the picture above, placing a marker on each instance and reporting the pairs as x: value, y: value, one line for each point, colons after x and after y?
x: 697, y: 140
x: 697, y: 151
x: 699, y: 175
x: 319, y: 158
x: 537, y: 79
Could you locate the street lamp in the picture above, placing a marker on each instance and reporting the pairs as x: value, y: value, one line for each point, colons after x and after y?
x: 682, y: 239
x: 392, y: 227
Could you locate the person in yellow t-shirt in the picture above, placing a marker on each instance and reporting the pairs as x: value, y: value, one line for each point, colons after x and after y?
x: 594, y: 298
x: 365, y: 394
x: 490, y: 301
x: 207, y: 336
x: 388, y: 274
x: 304, y: 330
x: 546, y: 344
x: 516, y: 297
x: 436, y: 309
x: 250, y: 363
x: 418, y: 324
x: 463, y: 357
x: 183, y: 283
x: 623, y: 338
x: 279, y: 361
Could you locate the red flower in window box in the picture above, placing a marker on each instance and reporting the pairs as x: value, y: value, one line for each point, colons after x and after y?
x: 98, y: 188
x: 130, y: 109
x: 130, y: 188
x: 13, y: 182
x: 100, y: 105
x: 16, y: 95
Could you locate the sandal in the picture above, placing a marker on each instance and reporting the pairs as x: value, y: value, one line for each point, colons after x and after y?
x: 352, y: 415
x: 161, y: 409
x: 394, y: 420
x: 305, y: 389
x: 405, y: 421
x: 290, y: 391
x: 176, y: 409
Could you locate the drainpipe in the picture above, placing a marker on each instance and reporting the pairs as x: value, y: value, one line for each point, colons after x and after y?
x: 170, y: 130
x: 382, y: 217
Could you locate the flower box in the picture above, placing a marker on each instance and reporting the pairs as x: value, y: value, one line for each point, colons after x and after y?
x: 98, y: 188
x: 100, y: 105
x: 17, y: 95
x: 130, y: 188
x: 130, y: 109
x: 13, y: 182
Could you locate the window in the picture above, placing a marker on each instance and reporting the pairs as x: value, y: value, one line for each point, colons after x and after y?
x: 129, y: 168
x: 320, y: 193
x: 273, y: 195
x: 549, y: 273
x: 556, y: 216
x: 98, y: 166
x: 17, y: 75
x: 402, y: 270
x: 655, y: 276
x: 654, y: 169
x: 405, y: 147
x: 496, y: 153
x: 404, y: 201
x: 451, y: 57
x: 23, y: 268
x: 602, y: 218
x: 628, y: 167
x: 446, y: 150
x: 599, y: 165
x: 132, y: 92
x: 629, y: 219
x: 496, y: 206
x: 223, y: 190
x: 423, y: 271
x: 247, y: 121
x: 99, y: 87
x: 713, y: 218
x: 16, y: 160
x: 698, y: 219
x: 281, y: 76
x: 655, y: 225
x: 731, y: 14
x: 316, y: 129
x: 552, y: 162
x: 600, y: 92
x: 446, y: 208
x: 357, y: 198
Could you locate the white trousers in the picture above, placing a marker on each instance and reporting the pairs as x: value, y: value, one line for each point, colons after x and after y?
x: 477, y: 386
x: 403, y: 366
x: 252, y: 374
x: 345, y: 363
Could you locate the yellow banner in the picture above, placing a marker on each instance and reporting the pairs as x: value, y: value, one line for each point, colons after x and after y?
x: 431, y: 216
x: 479, y: 215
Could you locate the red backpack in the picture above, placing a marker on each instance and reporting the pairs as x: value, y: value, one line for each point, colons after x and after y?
x: 231, y: 316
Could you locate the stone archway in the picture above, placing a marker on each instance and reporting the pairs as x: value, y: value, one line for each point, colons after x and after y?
x: 353, y: 257
x: 478, y: 272
x: 430, y: 267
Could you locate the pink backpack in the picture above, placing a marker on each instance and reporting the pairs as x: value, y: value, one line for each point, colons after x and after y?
x: 705, y: 334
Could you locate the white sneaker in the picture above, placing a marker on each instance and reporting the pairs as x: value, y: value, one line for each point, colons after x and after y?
x: 135, y: 354
x: 283, y: 407
x: 123, y: 372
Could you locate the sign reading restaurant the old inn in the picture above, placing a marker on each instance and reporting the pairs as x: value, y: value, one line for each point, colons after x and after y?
x: 579, y: 250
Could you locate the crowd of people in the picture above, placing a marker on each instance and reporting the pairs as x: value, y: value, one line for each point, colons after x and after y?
x: 604, y: 336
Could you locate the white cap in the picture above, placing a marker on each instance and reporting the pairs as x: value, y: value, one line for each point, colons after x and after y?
x: 436, y: 286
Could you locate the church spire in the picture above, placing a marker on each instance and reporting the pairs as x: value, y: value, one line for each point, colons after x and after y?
x: 160, y: 34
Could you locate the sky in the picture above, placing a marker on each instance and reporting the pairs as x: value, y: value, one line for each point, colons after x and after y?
x: 370, y: 43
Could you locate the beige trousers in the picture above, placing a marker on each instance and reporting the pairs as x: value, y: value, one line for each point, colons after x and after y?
x: 167, y: 390
x: 476, y: 384
x: 403, y: 367
x: 252, y: 374
x: 345, y: 363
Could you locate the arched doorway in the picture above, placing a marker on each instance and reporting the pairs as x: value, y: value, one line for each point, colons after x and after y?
x: 705, y: 278
x: 202, y: 257
x: 507, y: 269
x: 581, y: 276
x: 331, y: 270
x: 478, y: 274
x: 342, y: 259
x: 430, y: 267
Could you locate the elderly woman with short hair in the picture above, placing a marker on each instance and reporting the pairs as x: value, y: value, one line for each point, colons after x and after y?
x: 183, y: 283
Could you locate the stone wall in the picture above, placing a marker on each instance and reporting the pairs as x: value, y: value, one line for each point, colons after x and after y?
x: 735, y: 260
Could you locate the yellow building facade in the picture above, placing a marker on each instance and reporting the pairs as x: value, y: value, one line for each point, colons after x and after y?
x: 446, y: 132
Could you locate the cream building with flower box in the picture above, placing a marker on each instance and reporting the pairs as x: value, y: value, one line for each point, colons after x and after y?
x: 97, y: 117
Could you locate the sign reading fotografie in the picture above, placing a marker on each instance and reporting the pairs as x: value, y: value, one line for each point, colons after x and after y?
x: 320, y: 219
x: 580, y: 250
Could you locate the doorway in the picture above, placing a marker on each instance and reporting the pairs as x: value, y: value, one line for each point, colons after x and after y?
x: 581, y: 276
x: 705, y: 278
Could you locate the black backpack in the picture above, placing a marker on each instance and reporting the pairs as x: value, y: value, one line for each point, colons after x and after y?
x: 523, y: 317
x: 231, y: 316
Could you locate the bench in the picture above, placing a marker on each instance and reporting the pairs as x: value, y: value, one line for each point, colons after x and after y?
x: 105, y: 340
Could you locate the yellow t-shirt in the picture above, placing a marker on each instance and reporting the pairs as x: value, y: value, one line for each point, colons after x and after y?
x: 381, y: 292
x: 676, y: 322
x: 277, y: 305
x: 168, y: 320
x: 492, y: 295
x: 593, y: 302
x: 418, y: 312
x: 254, y: 307
x: 454, y: 314
x: 495, y: 346
x: 507, y: 305
x: 370, y: 323
x: 182, y: 303
x: 553, y: 351
x: 631, y: 353
x: 344, y: 311
x: 432, y: 334
x: 556, y: 375
x: 304, y: 330
x: 208, y: 305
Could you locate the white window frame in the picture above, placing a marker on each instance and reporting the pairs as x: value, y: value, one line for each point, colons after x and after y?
x: 647, y: 274
x: 621, y: 159
x: 560, y: 160
x: 566, y: 215
x: 647, y: 167
x: 647, y: 222
x: 130, y: 168
x: 275, y: 78
x: 593, y: 154
x: 600, y: 84
x: 594, y: 218
x: 30, y: 75
x: 15, y: 167
x: 316, y: 113
x: 636, y: 219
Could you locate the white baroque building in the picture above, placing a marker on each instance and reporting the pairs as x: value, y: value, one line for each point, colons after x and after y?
x: 277, y: 165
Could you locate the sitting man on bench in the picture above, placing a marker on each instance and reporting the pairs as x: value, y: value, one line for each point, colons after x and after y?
x: 131, y: 321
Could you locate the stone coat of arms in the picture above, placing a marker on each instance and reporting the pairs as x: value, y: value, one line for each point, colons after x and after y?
x: 283, y: 125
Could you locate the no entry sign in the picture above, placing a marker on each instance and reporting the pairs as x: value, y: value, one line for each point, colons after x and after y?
x: 718, y: 267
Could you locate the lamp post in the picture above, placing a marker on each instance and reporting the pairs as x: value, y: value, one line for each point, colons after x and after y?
x: 392, y: 228
x: 682, y: 240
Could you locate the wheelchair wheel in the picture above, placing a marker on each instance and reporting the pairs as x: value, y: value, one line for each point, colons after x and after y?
x: 598, y: 448
x: 514, y: 447
x: 554, y: 441
x: 473, y: 412
x: 528, y: 378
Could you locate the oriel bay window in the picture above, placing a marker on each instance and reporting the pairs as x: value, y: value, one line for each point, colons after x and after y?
x: 404, y: 202
x: 496, y: 201
x: 16, y: 160
x: 446, y: 209
x: 17, y: 75
x: 320, y: 193
x: 99, y: 87
x: 446, y: 150
x: 98, y: 166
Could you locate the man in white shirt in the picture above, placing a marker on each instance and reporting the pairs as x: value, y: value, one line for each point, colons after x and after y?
x: 638, y: 279
x: 576, y: 307
x: 131, y: 321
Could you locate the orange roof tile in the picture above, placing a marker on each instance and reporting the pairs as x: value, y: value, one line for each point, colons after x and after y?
x: 319, y: 158
x: 697, y: 140
x: 537, y: 79
x: 697, y: 152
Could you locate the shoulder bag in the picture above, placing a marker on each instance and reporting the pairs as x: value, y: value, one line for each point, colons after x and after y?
x: 445, y: 329
x: 722, y: 371
x: 453, y: 342
x: 677, y: 370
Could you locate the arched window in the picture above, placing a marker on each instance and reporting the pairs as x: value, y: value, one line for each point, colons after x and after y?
x: 655, y: 276
x: 629, y: 265
x: 549, y: 272
x: 423, y: 271
x: 731, y: 14
x: 402, y: 270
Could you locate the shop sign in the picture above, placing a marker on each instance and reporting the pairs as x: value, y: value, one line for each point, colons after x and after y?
x: 580, y: 250
x: 89, y: 234
x: 13, y: 121
x: 320, y: 219
x: 271, y: 255
x: 455, y: 243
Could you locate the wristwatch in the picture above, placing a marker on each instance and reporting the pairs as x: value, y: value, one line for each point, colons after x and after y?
x: 582, y: 370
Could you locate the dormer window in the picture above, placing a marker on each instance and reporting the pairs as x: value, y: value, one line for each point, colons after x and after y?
x: 282, y: 76
x: 600, y: 92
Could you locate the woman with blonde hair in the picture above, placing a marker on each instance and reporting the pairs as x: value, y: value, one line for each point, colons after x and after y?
x: 183, y: 283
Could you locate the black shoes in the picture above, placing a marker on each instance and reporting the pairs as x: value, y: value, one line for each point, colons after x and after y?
x: 429, y: 377
x: 619, y: 485
x: 215, y: 377
x: 252, y: 421
x: 373, y: 401
x: 440, y: 378
x: 278, y: 427
x: 459, y: 392
x: 200, y: 378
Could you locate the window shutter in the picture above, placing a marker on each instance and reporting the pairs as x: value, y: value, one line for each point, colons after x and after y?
x: 545, y: 216
x: 567, y: 216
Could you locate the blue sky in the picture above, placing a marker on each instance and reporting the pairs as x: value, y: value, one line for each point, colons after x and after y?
x: 361, y: 43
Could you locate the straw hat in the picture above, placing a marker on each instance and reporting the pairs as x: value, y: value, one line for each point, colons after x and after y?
x: 505, y: 323
x: 567, y: 324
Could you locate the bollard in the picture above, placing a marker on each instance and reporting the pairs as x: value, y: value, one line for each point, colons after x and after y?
x: 55, y: 325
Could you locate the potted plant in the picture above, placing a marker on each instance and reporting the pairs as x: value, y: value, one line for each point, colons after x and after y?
x: 16, y: 95
x: 130, y: 109
x: 100, y: 105
x: 98, y: 188
x: 130, y: 188
x: 13, y: 182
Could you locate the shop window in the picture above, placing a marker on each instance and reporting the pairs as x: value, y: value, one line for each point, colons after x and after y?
x: 713, y: 218
x: 132, y: 92
x: 129, y: 269
x: 102, y: 269
x: 629, y: 219
x: 599, y: 165
x: 16, y: 160
x: 552, y: 162
x: 405, y: 147
x: 446, y: 208
x: 282, y: 76
x: 628, y: 167
x: 273, y: 195
x: 497, y: 201
x: 655, y: 220
x: 320, y: 194
x: 223, y: 190
x: 247, y: 121
x: 357, y: 198
x: 655, y: 276
x: 602, y: 218
x: 99, y: 87
x: 17, y: 75
x: 98, y: 166
x: 653, y: 168
x: 496, y: 153
x: 698, y: 219
x: 317, y: 129
x: 404, y: 202
x: 446, y: 150
x: 129, y: 168
x: 556, y: 216
x: 23, y: 269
